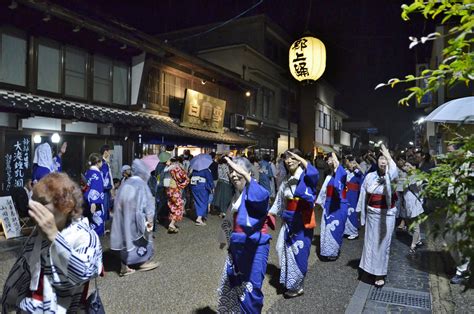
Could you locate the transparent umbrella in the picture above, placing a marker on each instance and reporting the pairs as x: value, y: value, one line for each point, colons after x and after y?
x: 454, y: 111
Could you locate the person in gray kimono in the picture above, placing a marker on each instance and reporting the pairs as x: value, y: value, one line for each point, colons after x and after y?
x: 132, y: 225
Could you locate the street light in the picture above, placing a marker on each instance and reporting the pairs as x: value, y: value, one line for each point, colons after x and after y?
x: 379, y: 142
x: 371, y: 142
x: 410, y: 143
x: 420, y: 120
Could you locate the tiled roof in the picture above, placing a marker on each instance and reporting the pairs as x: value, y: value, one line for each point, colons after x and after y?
x: 150, y: 123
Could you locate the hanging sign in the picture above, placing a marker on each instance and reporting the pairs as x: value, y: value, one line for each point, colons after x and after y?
x: 17, y: 161
x: 203, y: 112
x: 9, y: 218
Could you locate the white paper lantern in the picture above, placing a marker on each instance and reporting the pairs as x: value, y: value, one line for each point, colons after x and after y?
x: 307, y: 59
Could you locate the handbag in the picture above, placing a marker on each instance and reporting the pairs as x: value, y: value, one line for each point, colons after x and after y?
x: 93, y: 302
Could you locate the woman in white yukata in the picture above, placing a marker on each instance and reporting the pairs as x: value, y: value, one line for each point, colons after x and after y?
x: 377, y: 206
x: 60, y: 257
x: 413, y: 204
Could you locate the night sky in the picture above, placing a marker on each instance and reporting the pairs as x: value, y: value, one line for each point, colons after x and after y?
x: 366, y: 42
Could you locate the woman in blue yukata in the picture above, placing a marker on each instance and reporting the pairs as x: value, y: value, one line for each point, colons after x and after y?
x: 334, y: 216
x: 355, y: 177
x: 246, y: 233
x: 202, y: 185
x: 294, y: 203
x: 94, y: 195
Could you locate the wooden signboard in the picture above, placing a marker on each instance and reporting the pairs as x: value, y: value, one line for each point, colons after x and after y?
x: 203, y: 112
x: 9, y: 218
x: 17, y: 161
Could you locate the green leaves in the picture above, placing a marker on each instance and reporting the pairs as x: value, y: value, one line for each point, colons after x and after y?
x: 452, y: 182
x: 457, y: 64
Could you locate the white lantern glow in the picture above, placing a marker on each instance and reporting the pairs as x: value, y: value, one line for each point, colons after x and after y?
x: 307, y: 59
x: 37, y: 139
x: 55, y: 138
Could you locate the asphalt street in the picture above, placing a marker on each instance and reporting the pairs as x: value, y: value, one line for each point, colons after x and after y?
x: 191, y: 264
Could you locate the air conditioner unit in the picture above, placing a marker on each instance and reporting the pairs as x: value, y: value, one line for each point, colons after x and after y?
x: 237, y: 122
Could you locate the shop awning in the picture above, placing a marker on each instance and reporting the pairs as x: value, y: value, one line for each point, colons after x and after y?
x: 28, y: 104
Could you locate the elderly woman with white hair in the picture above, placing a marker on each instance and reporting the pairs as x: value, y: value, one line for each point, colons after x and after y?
x: 132, y: 225
x: 246, y: 231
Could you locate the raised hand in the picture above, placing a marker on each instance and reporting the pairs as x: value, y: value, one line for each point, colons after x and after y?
x: 335, y: 161
x: 302, y: 161
x: 238, y: 169
x: 44, y: 218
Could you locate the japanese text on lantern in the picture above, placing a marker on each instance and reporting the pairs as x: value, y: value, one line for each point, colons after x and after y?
x: 299, y: 62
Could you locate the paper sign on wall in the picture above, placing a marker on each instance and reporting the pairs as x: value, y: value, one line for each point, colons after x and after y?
x: 9, y: 218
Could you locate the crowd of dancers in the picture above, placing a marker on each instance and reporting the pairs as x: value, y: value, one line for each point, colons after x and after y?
x: 249, y: 194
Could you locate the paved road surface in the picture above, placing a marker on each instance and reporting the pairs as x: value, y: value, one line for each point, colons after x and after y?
x: 189, y: 275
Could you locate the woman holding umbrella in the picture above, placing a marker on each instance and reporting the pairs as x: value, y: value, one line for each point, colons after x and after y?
x: 202, y: 185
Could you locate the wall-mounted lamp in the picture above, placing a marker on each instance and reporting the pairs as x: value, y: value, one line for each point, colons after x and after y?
x: 203, y: 82
x: 55, y: 138
x: 37, y: 139
x: 101, y: 39
x: 123, y: 47
x: 248, y: 94
x: 47, y: 18
x: 76, y: 29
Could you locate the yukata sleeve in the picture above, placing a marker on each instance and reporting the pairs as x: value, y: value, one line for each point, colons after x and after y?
x: 392, y: 170
x: 257, y: 199
x: 180, y: 177
x: 209, y: 180
x: 277, y: 207
x: 308, y: 190
x: 340, y: 180
x: 79, y: 263
x: 362, y: 202
x: 95, y: 195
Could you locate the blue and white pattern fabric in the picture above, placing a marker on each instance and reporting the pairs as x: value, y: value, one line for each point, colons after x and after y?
x: 59, y: 270
x: 352, y: 223
x: 95, y: 195
x: 202, y: 184
x: 334, y: 215
x: 58, y: 163
x: 294, y: 241
x: 240, y: 290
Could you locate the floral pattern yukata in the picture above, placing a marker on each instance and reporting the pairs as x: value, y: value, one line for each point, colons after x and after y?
x: 175, y: 200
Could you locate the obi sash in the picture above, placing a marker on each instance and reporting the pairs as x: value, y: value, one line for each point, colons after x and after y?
x: 269, y: 223
x: 307, y: 213
x: 330, y: 192
x: 380, y: 201
x: 353, y: 186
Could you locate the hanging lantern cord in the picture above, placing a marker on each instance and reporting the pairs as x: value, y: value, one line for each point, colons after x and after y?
x: 308, y: 16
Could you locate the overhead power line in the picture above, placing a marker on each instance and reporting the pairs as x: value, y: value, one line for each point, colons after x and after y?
x: 222, y: 24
